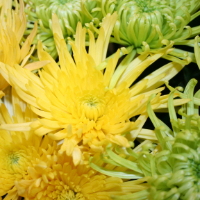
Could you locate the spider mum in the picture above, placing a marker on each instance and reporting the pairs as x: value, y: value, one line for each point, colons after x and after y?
x: 172, y: 168
x: 13, y: 47
x: 69, y: 12
x: 177, y: 164
x: 153, y: 24
x: 85, y: 103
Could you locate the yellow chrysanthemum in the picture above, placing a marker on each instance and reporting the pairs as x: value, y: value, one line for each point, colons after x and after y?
x: 12, y: 49
x: 60, y: 179
x: 18, y: 150
x: 86, y: 102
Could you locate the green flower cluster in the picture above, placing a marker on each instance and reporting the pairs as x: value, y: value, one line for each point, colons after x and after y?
x: 152, y: 24
x: 170, y: 165
x: 147, y: 25
x: 73, y: 114
x: 69, y: 12
x: 178, y: 163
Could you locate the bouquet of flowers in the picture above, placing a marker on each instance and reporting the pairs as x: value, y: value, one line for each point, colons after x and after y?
x: 80, y: 82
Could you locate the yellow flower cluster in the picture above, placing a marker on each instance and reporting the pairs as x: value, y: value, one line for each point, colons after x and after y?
x: 53, y: 119
x: 14, y: 48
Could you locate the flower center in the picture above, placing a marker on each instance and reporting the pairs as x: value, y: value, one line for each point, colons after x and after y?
x: 147, y: 6
x: 92, y: 107
x: 195, y: 167
x: 14, y: 158
x: 142, y: 6
x: 70, y: 195
x: 92, y: 102
x: 64, y: 1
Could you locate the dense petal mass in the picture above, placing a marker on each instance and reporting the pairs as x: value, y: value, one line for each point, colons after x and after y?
x: 87, y: 103
x: 18, y: 150
x: 58, y: 178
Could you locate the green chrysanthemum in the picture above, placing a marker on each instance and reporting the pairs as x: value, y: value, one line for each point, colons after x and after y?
x: 172, y: 167
x: 69, y: 13
x: 178, y: 163
x: 197, y: 51
x: 153, y: 23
